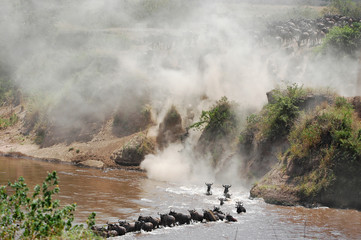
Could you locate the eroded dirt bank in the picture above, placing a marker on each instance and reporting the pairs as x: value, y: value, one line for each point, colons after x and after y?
x: 94, y: 153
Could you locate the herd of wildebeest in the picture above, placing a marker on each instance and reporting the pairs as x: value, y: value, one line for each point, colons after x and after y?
x: 171, y: 219
x: 303, y: 31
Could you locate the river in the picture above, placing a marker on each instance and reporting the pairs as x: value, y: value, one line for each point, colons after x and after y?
x: 120, y: 194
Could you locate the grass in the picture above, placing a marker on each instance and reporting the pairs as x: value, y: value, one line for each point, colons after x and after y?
x: 276, y: 118
x: 326, y: 144
x: 323, y: 154
x: 342, y: 40
x: 220, y: 121
x: 8, y: 122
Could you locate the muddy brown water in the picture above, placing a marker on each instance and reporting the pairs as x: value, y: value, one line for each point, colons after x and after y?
x: 120, y: 194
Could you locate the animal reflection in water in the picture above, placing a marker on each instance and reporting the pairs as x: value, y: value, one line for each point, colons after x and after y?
x: 171, y: 219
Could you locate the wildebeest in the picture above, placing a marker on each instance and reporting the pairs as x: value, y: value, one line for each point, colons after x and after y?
x: 101, y: 231
x: 226, y: 188
x: 131, y: 227
x: 221, y: 201
x: 217, y: 209
x: 240, y: 208
x: 218, y: 213
x: 167, y: 220
x: 227, y: 196
x: 180, y: 217
x: 230, y: 218
x: 119, y: 229
x: 209, y: 185
x: 154, y: 221
x: 195, y: 216
x: 209, y: 216
x: 146, y: 226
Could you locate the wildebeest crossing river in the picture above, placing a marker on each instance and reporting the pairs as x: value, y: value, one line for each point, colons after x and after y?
x: 119, y: 194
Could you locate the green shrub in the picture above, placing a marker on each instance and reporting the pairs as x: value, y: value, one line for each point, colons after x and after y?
x: 326, y: 145
x: 38, y: 215
x: 8, y: 122
x: 343, y: 7
x: 221, y: 120
x: 277, y: 117
x: 343, y: 40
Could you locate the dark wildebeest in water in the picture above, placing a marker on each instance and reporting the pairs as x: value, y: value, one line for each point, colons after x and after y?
x: 146, y: 226
x: 154, y: 221
x: 167, y: 220
x: 230, y: 218
x: 240, y: 208
x: 226, y: 189
x: 209, y: 216
x: 115, y: 227
x: 180, y: 217
x: 209, y: 185
x: 130, y: 227
x: 197, y: 217
x: 218, y: 213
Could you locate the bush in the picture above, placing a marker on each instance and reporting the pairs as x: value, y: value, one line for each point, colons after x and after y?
x: 326, y: 145
x: 8, y: 122
x: 220, y: 128
x: 343, y: 7
x: 343, y: 40
x: 36, y: 215
x: 276, y: 118
x: 220, y: 121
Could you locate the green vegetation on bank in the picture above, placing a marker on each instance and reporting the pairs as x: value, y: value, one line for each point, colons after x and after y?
x: 36, y: 215
x: 220, y: 127
x: 277, y: 117
x: 325, y: 153
x: 8, y: 122
x: 343, y: 40
x: 219, y: 121
x: 320, y: 151
x: 343, y: 7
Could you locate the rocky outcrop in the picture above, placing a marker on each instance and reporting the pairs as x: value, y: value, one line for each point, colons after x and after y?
x: 262, y: 155
x: 133, y: 152
x: 322, y: 162
x: 170, y: 129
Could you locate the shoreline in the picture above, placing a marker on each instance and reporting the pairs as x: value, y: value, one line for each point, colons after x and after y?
x: 20, y: 155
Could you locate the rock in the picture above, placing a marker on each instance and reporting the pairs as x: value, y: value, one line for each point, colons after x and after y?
x: 92, y: 163
x: 170, y: 129
x: 133, y: 153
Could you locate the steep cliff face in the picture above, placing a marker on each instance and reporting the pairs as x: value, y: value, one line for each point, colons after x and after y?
x: 316, y: 161
x: 266, y: 133
x: 219, y: 128
x: 170, y: 129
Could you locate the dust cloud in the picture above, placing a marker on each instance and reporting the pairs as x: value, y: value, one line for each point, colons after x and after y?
x: 88, y: 57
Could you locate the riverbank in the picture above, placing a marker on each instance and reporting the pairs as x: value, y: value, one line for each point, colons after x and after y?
x: 305, y: 148
x: 94, y: 153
